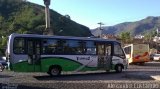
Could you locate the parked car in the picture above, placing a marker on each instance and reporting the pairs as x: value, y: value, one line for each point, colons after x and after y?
x: 3, y: 64
x: 156, y: 57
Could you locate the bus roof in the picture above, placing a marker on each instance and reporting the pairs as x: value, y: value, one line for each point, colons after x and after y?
x: 62, y: 37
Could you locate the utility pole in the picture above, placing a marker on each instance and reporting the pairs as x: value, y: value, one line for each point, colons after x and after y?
x: 100, y: 28
x: 157, y: 40
x: 48, y: 30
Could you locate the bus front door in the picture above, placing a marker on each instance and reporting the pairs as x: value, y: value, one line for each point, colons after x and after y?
x: 104, y: 57
x: 34, y: 53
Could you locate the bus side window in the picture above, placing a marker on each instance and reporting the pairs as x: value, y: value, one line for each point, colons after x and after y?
x: 19, y: 46
x: 73, y: 47
x: 49, y: 46
x: 90, y: 48
x: 60, y: 46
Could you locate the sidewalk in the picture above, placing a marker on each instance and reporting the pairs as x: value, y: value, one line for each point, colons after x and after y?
x: 156, y: 77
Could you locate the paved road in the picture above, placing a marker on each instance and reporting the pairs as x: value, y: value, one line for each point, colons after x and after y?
x: 135, y: 74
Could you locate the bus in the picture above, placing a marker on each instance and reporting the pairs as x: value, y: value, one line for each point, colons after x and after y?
x: 137, y: 53
x: 56, y: 54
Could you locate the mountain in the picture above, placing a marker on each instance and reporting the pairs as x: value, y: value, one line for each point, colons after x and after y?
x: 21, y: 16
x: 135, y: 28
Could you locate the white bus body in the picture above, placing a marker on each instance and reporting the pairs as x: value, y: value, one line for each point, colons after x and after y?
x: 53, y: 54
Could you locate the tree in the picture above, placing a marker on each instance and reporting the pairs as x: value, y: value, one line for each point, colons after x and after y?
x: 1, y: 22
x: 125, y: 37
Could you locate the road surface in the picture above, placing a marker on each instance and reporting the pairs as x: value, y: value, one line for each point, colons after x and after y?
x: 136, y: 76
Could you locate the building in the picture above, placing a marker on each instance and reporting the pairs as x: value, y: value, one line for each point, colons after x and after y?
x: 139, y: 36
x: 109, y: 36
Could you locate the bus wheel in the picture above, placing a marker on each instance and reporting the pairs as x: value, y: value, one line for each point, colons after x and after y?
x: 141, y: 63
x: 107, y: 70
x: 55, y: 71
x: 118, y: 68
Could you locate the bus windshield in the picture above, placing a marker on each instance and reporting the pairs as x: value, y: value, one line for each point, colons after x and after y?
x: 118, y: 51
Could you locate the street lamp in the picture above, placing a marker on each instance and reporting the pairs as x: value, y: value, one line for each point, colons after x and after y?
x: 47, y: 17
x: 100, y: 28
x: 47, y: 2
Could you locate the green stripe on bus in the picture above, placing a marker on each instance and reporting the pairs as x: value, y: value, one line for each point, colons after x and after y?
x: 66, y: 64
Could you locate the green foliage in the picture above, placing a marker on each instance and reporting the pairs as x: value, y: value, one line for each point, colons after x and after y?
x: 148, y: 35
x: 3, y: 42
x: 125, y: 37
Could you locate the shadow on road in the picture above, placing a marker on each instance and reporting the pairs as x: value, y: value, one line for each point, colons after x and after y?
x: 22, y: 86
x: 5, y: 76
x: 126, y: 75
x: 86, y: 76
x: 147, y: 64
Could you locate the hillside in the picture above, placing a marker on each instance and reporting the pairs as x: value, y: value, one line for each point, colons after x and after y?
x: 139, y: 27
x: 20, y: 16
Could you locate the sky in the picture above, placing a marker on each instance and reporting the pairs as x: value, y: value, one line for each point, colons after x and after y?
x: 109, y: 12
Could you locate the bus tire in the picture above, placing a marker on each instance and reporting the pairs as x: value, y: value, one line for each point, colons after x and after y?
x: 141, y: 63
x: 118, y: 68
x: 54, y: 71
